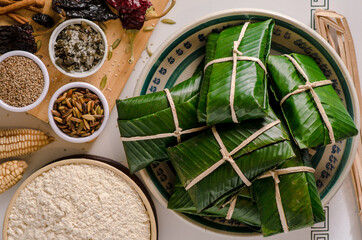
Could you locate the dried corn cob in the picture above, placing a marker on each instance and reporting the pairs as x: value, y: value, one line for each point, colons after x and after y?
x: 16, y: 142
x: 10, y: 173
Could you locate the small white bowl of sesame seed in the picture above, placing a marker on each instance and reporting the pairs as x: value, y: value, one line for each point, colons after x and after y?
x: 24, y: 81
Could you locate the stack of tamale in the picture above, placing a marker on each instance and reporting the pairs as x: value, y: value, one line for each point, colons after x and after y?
x: 231, y: 153
x: 143, y: 119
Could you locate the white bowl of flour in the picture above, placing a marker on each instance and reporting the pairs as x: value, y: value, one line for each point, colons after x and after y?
x: 79, y: 199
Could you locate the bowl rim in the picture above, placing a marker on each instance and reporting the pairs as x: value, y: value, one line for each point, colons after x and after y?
x: 271, y: 14
x: 54, y: 36
x: 78, y: 161
x: 45, y: 77
x: 66, y: 87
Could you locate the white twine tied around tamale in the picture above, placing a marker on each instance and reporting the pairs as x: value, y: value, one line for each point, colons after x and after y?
x: 227, y: 156
x: 237, y: 56
x: 310, y: 86
x: 278, y: 199
x: 274, y: 174
x: 178, y: 131
x: 231, y: 209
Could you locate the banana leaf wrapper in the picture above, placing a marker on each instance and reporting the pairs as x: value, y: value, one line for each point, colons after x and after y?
x: 151, y: 114
x: 300, y: 111
x: 194, y: 156
x: 299, y: 195
x: 250, y: 99
x: 245, y: 209
x: 209, y: 55
x: 140, y: 106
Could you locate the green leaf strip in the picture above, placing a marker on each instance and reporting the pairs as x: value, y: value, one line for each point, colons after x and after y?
x: 275, y: 174
x: 236, y: 58
x: 227, y: 156
x: 309, y: 86
x: 178, y: 131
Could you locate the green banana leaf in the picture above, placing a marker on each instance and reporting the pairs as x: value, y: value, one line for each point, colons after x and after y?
x: 250, y: 100
x: 302, y: 116
x: 132, y: 122
x: 199, y: 68
x: 299, y: 195
x: 209, y: 55
x: 194, y: 156
x: 140, y: 106
x: 245, y: 209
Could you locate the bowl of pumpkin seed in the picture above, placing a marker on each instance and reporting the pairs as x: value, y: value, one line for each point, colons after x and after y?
x: 78, y: 48
x: 78, y: 112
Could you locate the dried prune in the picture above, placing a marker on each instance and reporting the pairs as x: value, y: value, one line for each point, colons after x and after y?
x: 44, y: 19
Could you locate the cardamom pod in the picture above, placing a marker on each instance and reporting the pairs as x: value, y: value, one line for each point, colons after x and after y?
x: 103, y: 83
x: 168, y: 21
x: 116, y: 43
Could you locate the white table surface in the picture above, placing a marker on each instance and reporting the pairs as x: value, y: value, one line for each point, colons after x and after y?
x: 342, y: 217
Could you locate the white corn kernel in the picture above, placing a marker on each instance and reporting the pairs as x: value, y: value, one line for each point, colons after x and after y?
x: 10, y: 173
x: 16, y: 142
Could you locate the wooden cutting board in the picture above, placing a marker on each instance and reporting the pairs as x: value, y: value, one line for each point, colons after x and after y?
x: 117, y: 68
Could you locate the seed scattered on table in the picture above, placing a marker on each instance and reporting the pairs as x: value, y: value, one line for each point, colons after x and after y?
x: 149, y: 52
x: 103, y: 82
x: 22, y: 81
x: 148, y: 28
x: 168, y: 21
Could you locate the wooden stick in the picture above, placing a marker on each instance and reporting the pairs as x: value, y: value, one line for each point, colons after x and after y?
x: 15, y: 18
x: 20, y: 19
x: 357, y: 189
x: 352, y: 52
x: 348, y: 54
x: 5, y: 2
x: 357, y: 180
x: 30, y: 8
x: 333, y: 24
x: 35, y: 9
x: 21, y: 4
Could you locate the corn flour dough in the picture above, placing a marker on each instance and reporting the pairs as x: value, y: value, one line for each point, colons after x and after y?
x: 79, y: 201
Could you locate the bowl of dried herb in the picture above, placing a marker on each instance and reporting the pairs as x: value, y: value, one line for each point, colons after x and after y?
x: 24, y: 81
x: 78, y: 112
x: 78, y: 48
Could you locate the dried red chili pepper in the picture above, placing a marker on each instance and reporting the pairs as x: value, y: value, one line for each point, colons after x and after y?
x: 133, y: 14
x: 17, y: 37
x: 94, y: 10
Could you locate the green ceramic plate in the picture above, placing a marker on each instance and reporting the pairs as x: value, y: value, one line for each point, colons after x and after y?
x: 177, y: 59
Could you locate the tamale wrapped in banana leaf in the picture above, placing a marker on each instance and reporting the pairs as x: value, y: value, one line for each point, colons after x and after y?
x: 228, y: 156
x: 313, y: 111
x: 298, y: 204
x: 236, y: 82
x: 244, y: 211
x: 148, y: 123
x: 209, y: 55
